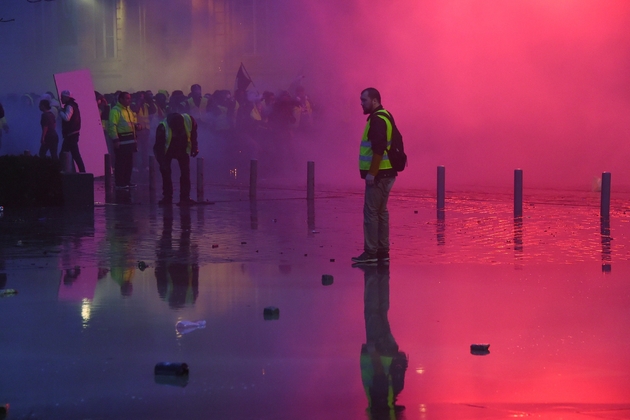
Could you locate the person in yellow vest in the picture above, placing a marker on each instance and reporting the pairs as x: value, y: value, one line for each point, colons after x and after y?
x: 176, y: 138
x: 198, y: 106
x: 383, y: 365
x: 375, y: 168
x: 305, y: 120
x: 123, y: 126
x: 144, y: 107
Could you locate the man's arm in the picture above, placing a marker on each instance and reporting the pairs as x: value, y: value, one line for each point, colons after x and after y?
x: 112, y: 126
x: 66, y: 112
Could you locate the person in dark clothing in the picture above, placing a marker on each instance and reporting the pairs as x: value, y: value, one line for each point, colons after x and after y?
x: 376, y: 169
x: 176, y: 138
x: 70, y: 128
x: 50, y: 139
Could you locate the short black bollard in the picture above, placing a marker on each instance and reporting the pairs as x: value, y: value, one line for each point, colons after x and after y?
x: 518, y: 193
x: 605, y: 208
x: 200, y: 195
x: 441, y: 187
x: 108, y: 172
x: 67, y: 164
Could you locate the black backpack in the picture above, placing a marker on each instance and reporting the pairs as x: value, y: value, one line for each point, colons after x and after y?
x: 396, y: 152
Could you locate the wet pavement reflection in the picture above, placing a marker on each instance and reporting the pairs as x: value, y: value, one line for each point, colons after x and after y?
x: 99, y: 294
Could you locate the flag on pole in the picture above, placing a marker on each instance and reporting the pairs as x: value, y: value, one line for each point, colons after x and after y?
x: 242, y: 79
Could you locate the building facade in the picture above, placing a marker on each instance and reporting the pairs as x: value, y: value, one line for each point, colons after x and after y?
x: 133, y: 44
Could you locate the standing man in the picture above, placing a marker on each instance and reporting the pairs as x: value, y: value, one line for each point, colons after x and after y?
x: 176, y: 138
x: 379, y: 176
x: 70, y: 128
x: 49, y: 140
x: 122, y: 131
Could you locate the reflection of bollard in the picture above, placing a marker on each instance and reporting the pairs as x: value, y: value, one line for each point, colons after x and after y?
x: 605, y: 208
x: 253, y: 178
x: 152, y: 174
x: 310, y: 180
x: 200, y: 195
x: 441, y: 187
x: 67, y: 163
x: 606, y: 249
x: 518, y: 193
x: 108, y: 172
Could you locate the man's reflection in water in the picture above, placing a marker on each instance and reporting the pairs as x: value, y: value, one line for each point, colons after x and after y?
x: 121, y: 235
x: 383, y: 366
x: 177, y: 270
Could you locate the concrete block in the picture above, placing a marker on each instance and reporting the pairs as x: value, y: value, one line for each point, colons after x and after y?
x: 78, y: 189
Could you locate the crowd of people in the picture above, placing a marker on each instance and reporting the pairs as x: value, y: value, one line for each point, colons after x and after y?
x: 226, y: 124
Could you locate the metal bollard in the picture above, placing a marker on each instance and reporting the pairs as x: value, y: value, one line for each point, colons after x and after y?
x: 200, y: 195
x: 253, y: 178
x: 518, y: 193
x: 108, y: 172
x: 605, y: 207
x: 310, y: 180
x: 441, y: 187
x: 67, y: 163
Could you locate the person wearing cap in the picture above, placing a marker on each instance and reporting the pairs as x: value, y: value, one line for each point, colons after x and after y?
x: 176, y: 138
x: 123, y: 125
x: 70, y: 128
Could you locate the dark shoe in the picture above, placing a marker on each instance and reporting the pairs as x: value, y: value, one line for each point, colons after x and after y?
x: 365, y: 258
x: 382, y: 256
x: 165, y: 202
x: 132, y: 185
x: 187, y: 202
x: 121, y: 187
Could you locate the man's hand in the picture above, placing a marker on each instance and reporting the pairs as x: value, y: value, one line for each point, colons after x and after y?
x: 194, y: 153
x: 369, y: 179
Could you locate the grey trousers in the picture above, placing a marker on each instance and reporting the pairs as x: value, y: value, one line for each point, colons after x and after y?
x: 376, y: 217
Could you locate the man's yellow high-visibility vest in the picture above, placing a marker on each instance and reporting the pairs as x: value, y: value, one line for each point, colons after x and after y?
x: 365, y: 151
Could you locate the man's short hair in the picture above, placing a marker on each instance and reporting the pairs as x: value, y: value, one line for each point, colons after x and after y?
x: 45, y: 103
x: 372, y: 94
x: 121, y: 95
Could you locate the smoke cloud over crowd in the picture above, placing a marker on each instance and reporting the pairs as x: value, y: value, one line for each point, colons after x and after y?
x: 480, y: 87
